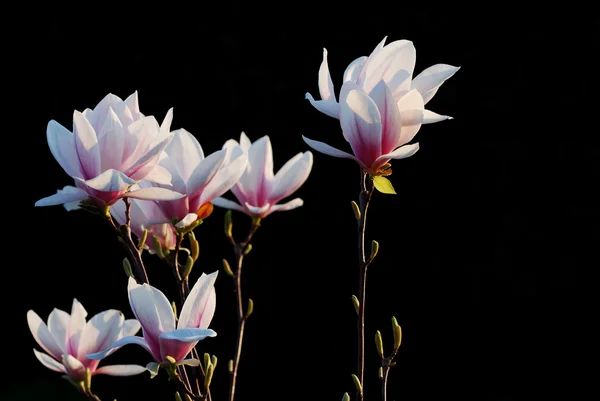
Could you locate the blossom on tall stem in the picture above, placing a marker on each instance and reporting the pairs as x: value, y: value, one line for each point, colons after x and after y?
x: 161, y: 337
x: 381, y: 106
x: 200, y: 179
x: 258, y: 190
x: 67, y: 338
x: 111, y: 148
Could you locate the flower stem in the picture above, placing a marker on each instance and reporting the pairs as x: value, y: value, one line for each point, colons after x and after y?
x: 240, y: 251
x: 384, y: 378
x: 366, y: 190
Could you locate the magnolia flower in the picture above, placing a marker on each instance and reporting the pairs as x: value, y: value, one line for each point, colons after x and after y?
x: 381, y: 106
x: 154, y: 312
x: 68, y: 338
x: 258, y: 190
x: 199, y: 178
x: 110, y: 149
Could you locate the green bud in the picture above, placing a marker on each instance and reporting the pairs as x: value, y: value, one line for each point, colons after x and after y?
x: 228, y: 224
x: 208, y: 378
x: 397, y: 334
x: 346, y: 397
x: 356, y: 303
x: 158, y: 247
x: 380, y: 372
x: 230, y: 366
x: 247, y: 249
x: 171, y: 360
x: 174, y: 307
x: 249, y: 308
x: 374, y: 249
x: 189, y: 263
x: 213, y: 360
x: 88, y: 380
x: 194, y: 245
x: 177, y: 396
x: 227, y: 268
x: 356, y: 210
x: 188, y: 398
x: 357, y: 383
x: 127, y: 267
x: 142, y: 241
x: 206, y: 360
x: 379, y: 343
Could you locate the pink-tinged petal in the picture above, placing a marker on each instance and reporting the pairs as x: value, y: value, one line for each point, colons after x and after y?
x: 227, y: 204
x: 401, y: 153
x: 199, y: 307
x: 159, y: 175
x: 66, y: 195
x: 361, y: 124
x: 70, y: 206
x: 431, y: 78
x: 123, y: 112
x: 154, y: 193
x: 325, y: 82
x: 151, y: 308
x: 329, y: 150
x: 166, y: 124
x: 390, y: 116
x: 99, y: 332
x: 140, y: 137
x: 291, y: 176
x: 98, y: 115
x: 187, y: 220
x: 225, y: 178
x: 354, y: 68
x: 111, y: 142
x: 205, y: 172
x: 58, y: 322
x: 110, y: 181
x: 257, y: 210
x: 86, y: 145
x: 74, y: 368
x: 76, y: 325
x: 411, y: 113
x: 431, y: 117
x: 293, y: 204
x: 327, y: 107
x: 179, y: 343
x: 118, y: 344
x: 260, y: 174
x: 245, y: 142
x: 133, y: 105
x: 120, y: 370
x: 42, y: 335
x: 387, y: 64
x: 130, y: 327
x: 186, y: 151
x: 49, y: 362
x: 62, y: 146
x: 149, y: 160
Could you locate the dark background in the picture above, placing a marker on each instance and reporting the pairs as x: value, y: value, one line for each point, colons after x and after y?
x: 487, y: 251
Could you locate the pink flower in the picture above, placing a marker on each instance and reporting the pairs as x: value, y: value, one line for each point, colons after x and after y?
x: 199, y: 178
x: 68, y: 338
x: 381, y: 106
x: 258, y: 191
x: 111, y: 148
x: 154, y: 312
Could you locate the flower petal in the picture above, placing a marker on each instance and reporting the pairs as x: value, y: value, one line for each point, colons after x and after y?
x: 256, y: 210
x: 166, y: 124
x: 153, y: 193
x: 205, y: 171
x: 62, y: 146
x: 120, y: 370
x: 199, y: 307
x: 186, y: 149
x: 86, y: 145
x: 354, y: 68
x: 293, y: 204
x: 291, y: 176
x: 187, y: 220
x: 148, y: 161
x: 401, y: 153
x: 431, y: 117
x: 225, y: 178
x: 49, y: 362
x: 431, y: 78
x: 259, y: 175
x: 361, y: 123
x: 130, y: 327
x: 188, y: 334
x: 329, y: 150
x: 110, y: 181
x: 99, y: 332
x: 390, y: 63
x: 411, y: 113
x: 179, y: 343
x: 75, y: 328
x: 159, y: 175
x: 118, y: 344
x: 75, y: 369
x: 111, y: 141
x: 328, y: 107
x: 42, y: 335
x: 151, y: 308
x: 58, y: 322
x: 227, y: 204
x: 390, y: 116
x: 66, y: 195
x: 133, y: 105
x: 325, y: 82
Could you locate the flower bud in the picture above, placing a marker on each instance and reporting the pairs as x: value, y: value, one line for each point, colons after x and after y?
x: 346, y: 397
x: 142, y: 240
x: 228, y: 224
x: 357, y: 383
x: 158, y: 247
x: 177, y: 396
x: 247, y: 249
x: 356, y: 303
x: 397, y: 334
x: 208, y: 377
x: 206, y: 360
x: 174, y: 307
x: 127, y: 267
x: 356, y: 210
x: 213, y: 361
x: 188, y: 398
x: 194, y: 246
x: 249, y: 308
x: 379, y: 343
x: 189, y: 263
x: 230, y: 366
x: 380, y: 372
x: 374, y: 249
x: 227, y: 268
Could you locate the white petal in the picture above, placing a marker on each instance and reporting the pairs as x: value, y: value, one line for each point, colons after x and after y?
x: 328, y: 107
x: 42, y: 335
x: 361, y: 123
x: 329, y: 150
x: 159, y: 175
x: 76, y: 325
x: 293, y: 204
x: 259, y: 173
x: 99, y: 332
x: 411, y: 113
x: 188, y: 335
x: 49, y: 362
x: 58, y: 322
x: 256, y: 210
x: 75, y: 369
x: 431, y: 78
x: 66, y: 195
x: 390, y: 116
x: 431, y: 117
x: 325, y: 83
x: 62, y: 146
x: 291, y: 176
x: 148, y: 161
x: 205, y: 171
x: 187, y: 152
x: 187, y: 220
x: 154, y: 193
x: 118, y: 344
x: 227, y: 204
x: 133, y: 105
x: 354, y: 68
x: 225, y: 178
x: 245, y: 142
x: 110, y: 181
x: 151, y: 308
x: 386, y: 63
x: 199, y: 307
x: 166, y: 124
x: 120, y: 370
x: 86, y: 144
x: 401, y: 153
x: 130, y: 327
x: 111, y: 142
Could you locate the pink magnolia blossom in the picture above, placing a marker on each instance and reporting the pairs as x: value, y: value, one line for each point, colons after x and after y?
x: 68, y: 338
x: 111, y: 148
x: 381, y: 106
x: 258, y: 191
x: 155, y: 314
x: 201, y: 179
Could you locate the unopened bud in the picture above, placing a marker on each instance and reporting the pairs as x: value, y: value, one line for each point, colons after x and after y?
x: 228, y: 224
x: 142, y: 241
x: 345, y: 397
x: 397, y: 334
x: 174, y: 307
x: 230, y: 366
x: 171, y: 360
x: 213, y: 360
x: 227, y: 268
x: 208, y: 377
x: 249, y: 308
x: 206, y: 360
x: 158, y: 247
x: 247, y: 249
x: 194, y: 246
x: 188, y: 398
x: 380, y: 372
x: 189, y: 263
x: 356, y: 303
x: 357, y: 383
x: 379, y: 343
x: 127, y: 267
x: 374, y: 249
x: 177, y: 396
x: 356, y: 210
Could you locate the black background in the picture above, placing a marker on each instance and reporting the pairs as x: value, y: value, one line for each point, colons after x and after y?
x: 487, y: 251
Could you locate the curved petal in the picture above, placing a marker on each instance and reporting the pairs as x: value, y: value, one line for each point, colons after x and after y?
x: 118, y: 344
x: 325, y: 82
x: 166, y: 124
x: 86, y: 145
x: 293, y: 204
x: 199, y: 307
x: 49, y: 362
x: 75, y: 369
x: 257, y: 211
x: 411, y: 113
x: 186, y: 149
x: 328, y: 107
x: 120, y: 370
x: 42, y: 335
x: 151, y: 308
x: 291, y: 176
x: 245, y: 142
x: 188, y: 334
x: 387, y: 63
x: 159, y: 175
x: 133, y: 105
x: 329, y: 150
x: 110, y: 181
x: 401, y: 153
x: 66, y: 195
x: 111, y: 141
x: 130, y: 327
x: 259, y: 174
x: 148, y: 161
x: 153, y: 193
x: 354, y: 68
x: 178, y: 343
x: 187, y: 220
x: 99, y: 332
x: 62, y: 146
x: 361, y: 122
x: 431, y: 117
x: 225, y: 178
x: 431, y: 78
x: 205, y: 171
x: 227, y: 204
x: 390, y: 116
x: 76, y: 325
x: 58, y: 322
